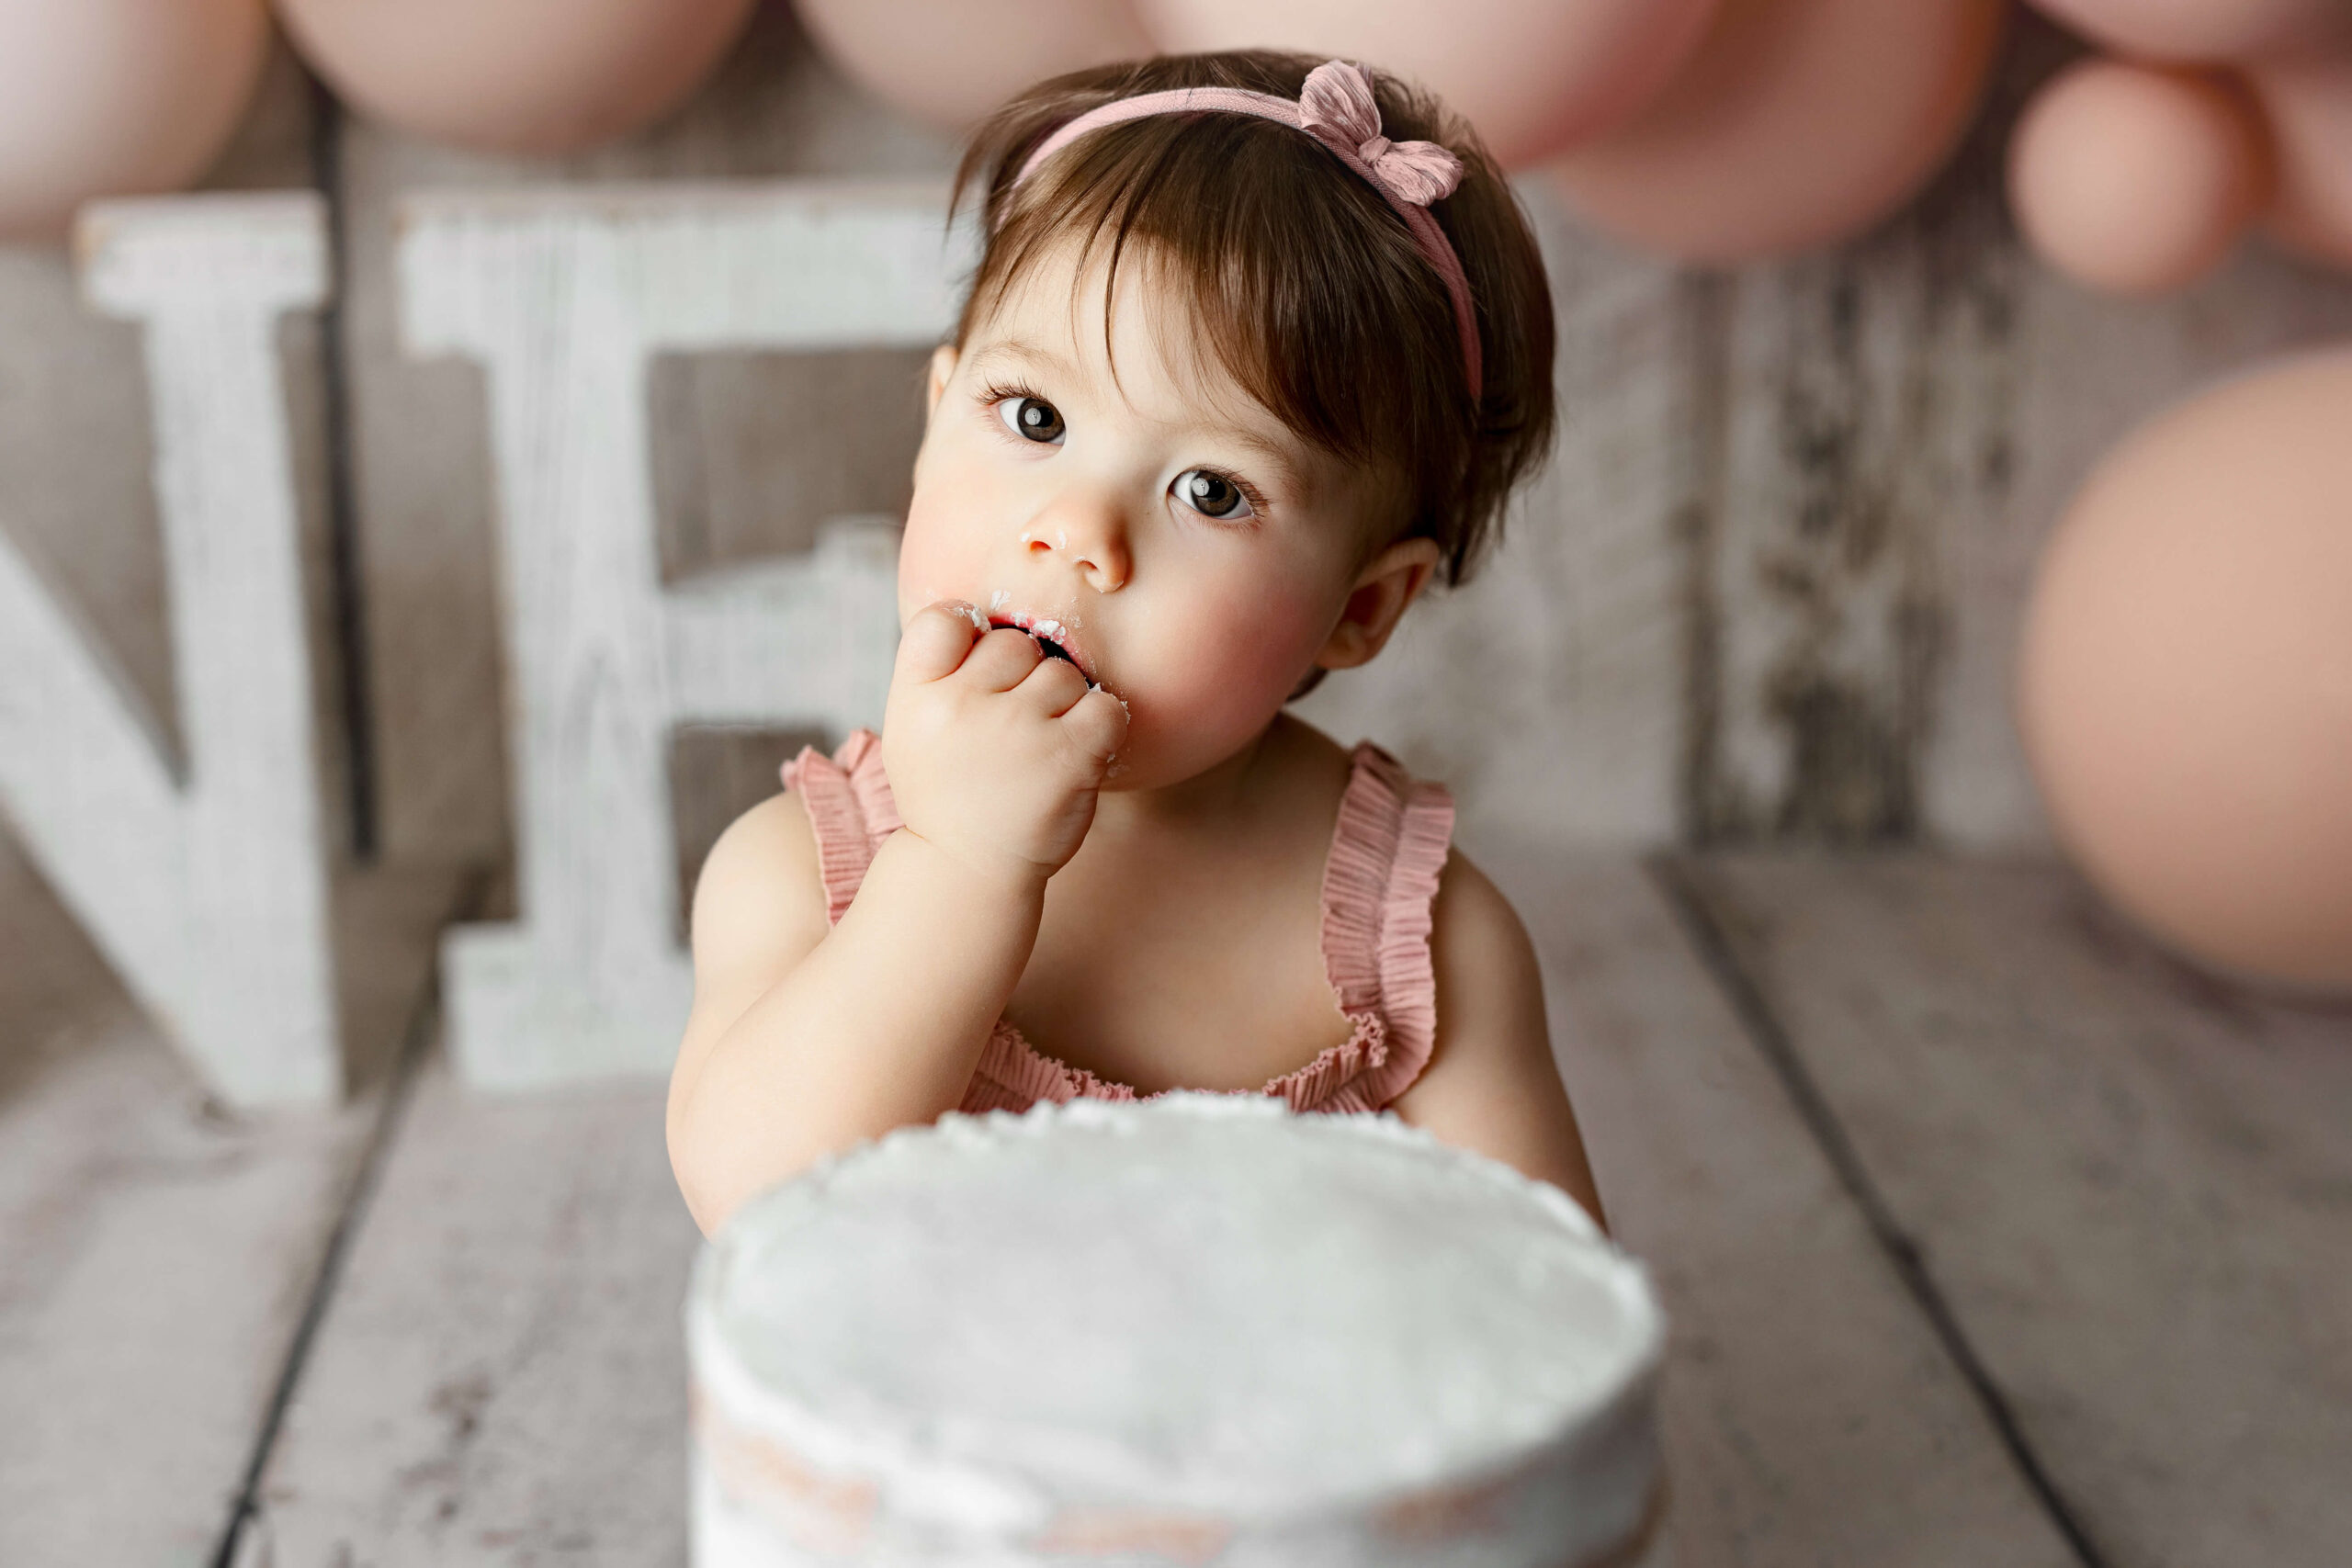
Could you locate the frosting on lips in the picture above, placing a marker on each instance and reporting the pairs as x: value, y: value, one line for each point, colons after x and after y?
x: 1051, y: 634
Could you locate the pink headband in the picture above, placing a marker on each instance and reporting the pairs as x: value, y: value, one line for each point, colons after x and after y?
x: 1335, y: 107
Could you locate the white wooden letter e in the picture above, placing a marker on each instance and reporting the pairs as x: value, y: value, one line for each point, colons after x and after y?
x: 564, y: 295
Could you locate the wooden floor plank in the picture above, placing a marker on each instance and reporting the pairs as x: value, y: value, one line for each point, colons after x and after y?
x: 159, y: 1250
x: 500, y: 1375
x: 2132, y: 1185
x: 500, y: 1378
x: 1810, y: 1415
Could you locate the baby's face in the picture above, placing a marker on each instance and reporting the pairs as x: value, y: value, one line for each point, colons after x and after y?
x: 1188, y: 551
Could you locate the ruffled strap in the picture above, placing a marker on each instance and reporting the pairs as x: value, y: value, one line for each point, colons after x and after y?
x: 1387, y: 852
x: 851, y: 809
x: 1012, y: 1075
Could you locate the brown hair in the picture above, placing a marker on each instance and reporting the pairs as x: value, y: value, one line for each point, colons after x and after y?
x: 1310, y: 290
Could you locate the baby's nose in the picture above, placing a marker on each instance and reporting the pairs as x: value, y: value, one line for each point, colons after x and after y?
x: 1096, y: 547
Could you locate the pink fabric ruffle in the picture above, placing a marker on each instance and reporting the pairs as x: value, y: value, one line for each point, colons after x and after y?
x: 1388, y: 850
x: 1378, y: 887
x: 851, y: 809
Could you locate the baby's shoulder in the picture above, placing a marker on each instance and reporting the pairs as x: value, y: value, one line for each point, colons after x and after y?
x: 761, y: 886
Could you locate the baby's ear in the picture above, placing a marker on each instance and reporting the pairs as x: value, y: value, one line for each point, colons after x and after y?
x: 943, y: 367
x: 1389, y: 584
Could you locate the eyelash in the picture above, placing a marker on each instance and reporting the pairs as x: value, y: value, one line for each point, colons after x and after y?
x: 996, y: 393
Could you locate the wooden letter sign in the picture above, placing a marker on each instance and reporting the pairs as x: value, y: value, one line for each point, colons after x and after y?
x: 207, y: 890
x: 564, y: 297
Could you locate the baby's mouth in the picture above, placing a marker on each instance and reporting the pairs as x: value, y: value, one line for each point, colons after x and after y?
x: 1044, y: 640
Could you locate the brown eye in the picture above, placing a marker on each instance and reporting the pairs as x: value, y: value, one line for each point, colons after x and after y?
x: 1211, y: 495
x: 1034, y: 419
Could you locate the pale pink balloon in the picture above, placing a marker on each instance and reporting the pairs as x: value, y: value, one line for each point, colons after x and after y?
x: 952, y: 62
x: 2135, y: 180
x: 2309, y: 107
x: 1799, y: 123
x: 1534, y: 76
x: 527, y: 76
x: 2205, y: 29
x: 2185, y: 678
x: 117, y: 98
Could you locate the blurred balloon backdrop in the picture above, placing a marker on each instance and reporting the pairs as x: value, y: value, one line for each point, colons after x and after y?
x: 2185, y: 682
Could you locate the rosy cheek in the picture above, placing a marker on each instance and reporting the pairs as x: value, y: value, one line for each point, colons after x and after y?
x: 934, y: 558
x: 1251, y: 658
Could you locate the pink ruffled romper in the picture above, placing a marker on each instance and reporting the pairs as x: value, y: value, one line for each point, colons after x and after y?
x: 1379, y: 880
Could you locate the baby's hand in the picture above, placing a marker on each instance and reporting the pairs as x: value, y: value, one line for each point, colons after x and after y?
x: 995, y: 750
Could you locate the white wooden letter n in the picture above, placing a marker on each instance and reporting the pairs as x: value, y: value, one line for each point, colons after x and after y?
x: 206, y: 885
x: 564, y: 295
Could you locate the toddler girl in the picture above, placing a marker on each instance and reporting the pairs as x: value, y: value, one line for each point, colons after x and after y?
x: 1256, y: 348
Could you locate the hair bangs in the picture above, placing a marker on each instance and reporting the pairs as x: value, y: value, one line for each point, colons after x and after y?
x: 1298, y: 281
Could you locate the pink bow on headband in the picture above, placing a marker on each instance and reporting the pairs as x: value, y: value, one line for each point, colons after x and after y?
x: 1337, y: 105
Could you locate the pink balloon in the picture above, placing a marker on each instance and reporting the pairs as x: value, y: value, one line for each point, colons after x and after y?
x: 528, y: 77
x: 2310, y: 105
x: 117, y: 98
x: 2204, y: 29
x: 952, y: 62
x: 2185, y: 681
x: 1798, y: 124
x: 2138, y: 181
x: 1534, y: 76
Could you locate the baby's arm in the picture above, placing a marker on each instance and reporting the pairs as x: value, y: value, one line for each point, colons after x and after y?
x: 1491, y: 1086
x: 803, y: 1040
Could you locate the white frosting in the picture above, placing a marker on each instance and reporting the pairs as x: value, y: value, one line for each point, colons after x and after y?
x: 1200, y: 1306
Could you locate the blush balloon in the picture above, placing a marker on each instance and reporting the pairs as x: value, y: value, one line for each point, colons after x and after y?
x: 2204, y: 29
x: 952, y: 62
x: 2309, y: 107
x: 117, y: 98
x: 1533, y: 76
x: 2185, y: 678
x: 523, y: 76
x: 2137, y: 181
x: 1798, y: 124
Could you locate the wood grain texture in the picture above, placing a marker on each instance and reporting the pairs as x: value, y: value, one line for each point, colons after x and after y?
x: 1810, y: 1415
x: 1897, y: 425
x: 204, y: 877
x: 1547, y: 691
x: 75, y: 439
x: 159, y: 1247
x: 538, y: 1411
x: 502, y: 1377
x: 733, y: 429
x: 158, y: 1253
x: 2130, y: 1182
x: 77, y: 444
x: 564, y: 295
x: 1863, y: 418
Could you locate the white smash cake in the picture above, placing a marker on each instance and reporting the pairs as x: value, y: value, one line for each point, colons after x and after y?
x: 1197, y: 1329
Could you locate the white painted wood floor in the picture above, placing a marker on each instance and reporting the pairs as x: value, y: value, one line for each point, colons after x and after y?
x: 1990, y: 1238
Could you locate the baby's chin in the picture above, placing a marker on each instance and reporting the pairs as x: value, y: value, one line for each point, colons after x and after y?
x: 1167, y: 747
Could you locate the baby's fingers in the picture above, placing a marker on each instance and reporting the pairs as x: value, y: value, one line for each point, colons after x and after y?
x: 1097, y: 725
x: 937, y: 638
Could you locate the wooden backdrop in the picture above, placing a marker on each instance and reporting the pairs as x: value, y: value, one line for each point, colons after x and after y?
x: 1766, y: 592
x: 1990, y: 1236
